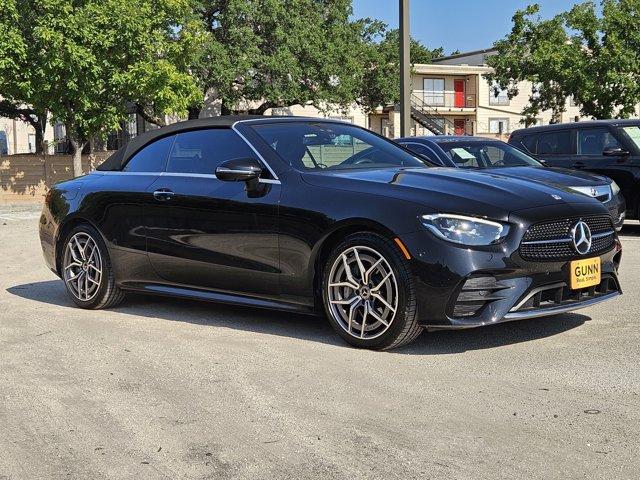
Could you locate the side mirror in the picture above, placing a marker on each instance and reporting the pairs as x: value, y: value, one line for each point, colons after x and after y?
x: 239, y: 170
x: 615, y: 152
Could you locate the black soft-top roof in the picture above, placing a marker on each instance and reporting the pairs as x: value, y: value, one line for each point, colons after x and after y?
x: 121, y: 157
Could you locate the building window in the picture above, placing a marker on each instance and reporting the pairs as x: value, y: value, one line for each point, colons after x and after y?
x: 60, y: 138
x: 31, y: 142
x: 502, y: 98
x: 4, y: 146
x: 498, y: 125
x: 342, y: 119
x: 434, y: 91
x: 536, y: 87
x: 59, y: 132
x: 130, y: 126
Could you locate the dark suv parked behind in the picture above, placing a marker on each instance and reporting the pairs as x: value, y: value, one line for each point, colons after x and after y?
x: 607, y: 147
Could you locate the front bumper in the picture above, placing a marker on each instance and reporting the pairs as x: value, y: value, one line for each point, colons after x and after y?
x: 497, y: 283
x: 617, y: 208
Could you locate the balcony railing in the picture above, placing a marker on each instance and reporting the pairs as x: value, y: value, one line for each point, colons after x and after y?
x: 447, y: 99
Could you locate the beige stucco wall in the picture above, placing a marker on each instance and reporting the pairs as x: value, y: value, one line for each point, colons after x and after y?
x: 513, y: 110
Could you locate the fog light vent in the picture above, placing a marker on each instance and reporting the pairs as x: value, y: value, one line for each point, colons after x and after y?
x: 475, y: 294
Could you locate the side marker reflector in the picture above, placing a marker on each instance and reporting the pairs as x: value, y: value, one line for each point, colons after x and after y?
x: 402, y: 248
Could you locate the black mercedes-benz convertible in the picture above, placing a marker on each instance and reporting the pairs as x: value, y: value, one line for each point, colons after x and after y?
x: 288, y: 213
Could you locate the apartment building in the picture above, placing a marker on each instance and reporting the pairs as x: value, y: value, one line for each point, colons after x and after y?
x: 452, y: 96
x: 17, y: 136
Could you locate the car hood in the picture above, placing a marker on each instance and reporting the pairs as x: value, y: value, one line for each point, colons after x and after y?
x: 476, y: 192
x: 560, y: 177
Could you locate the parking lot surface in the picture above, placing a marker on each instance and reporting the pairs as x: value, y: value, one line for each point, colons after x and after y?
x: 162, y: 388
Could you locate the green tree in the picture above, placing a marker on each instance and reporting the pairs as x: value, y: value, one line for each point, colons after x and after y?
x: 381, y: 81
x: 85, y: 61
x: 13, y: 81
x: 261, y: 54
x: 593, y: 57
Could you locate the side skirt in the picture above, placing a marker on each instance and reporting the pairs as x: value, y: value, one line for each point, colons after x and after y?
x: 217, y: 297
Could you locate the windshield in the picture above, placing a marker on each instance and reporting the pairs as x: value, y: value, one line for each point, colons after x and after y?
x: 489, y: 154
x: 320, y: 146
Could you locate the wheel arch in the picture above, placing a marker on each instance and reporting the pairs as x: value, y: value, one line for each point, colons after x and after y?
x: 324, y: 247
x: 63, y: 230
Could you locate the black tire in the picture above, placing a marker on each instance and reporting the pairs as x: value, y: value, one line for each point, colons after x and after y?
x: 404, y: 327
x: 107, y: 293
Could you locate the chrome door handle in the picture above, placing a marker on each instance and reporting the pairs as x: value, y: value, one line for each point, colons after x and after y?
x: 163, y: 194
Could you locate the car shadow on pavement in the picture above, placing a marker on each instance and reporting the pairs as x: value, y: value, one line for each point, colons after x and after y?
x: 457, y: 341
x: 306, y: 327
x: 630, y: 230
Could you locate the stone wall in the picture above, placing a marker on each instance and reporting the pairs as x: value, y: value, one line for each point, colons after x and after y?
x: 27, y: 177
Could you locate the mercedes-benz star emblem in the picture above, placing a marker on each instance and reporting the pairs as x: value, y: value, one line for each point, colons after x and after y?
x: 581, y: 236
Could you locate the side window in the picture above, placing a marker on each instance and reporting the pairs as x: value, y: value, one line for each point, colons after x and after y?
x: 529, y: 143
x: 151, y: 158
x: 422, y: 150
x: 201, y: 151
x: 593, y: 141
x: 555, y: 143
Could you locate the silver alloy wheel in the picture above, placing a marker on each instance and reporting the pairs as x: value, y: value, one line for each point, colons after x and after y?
x: 82, y: 266
x: 363, y: 292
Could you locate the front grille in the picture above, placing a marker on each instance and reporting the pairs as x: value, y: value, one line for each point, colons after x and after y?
x: 551, y: 240
x: 561, y: 228
x: 475, y: 294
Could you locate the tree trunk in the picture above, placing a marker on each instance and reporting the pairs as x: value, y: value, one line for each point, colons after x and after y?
x: 78, y: 146
x: 40, y: 143
x: 194, y: 112
x: 39, y: 123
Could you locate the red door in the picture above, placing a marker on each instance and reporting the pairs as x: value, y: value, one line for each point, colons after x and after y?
x: 459, y: 126
x: 458, y: 88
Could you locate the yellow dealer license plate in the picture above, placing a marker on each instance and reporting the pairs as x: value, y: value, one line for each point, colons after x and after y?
x: 585, y: 273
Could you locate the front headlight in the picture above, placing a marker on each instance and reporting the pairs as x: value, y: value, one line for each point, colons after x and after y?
x: 615, y: 189
x: 465, y: 230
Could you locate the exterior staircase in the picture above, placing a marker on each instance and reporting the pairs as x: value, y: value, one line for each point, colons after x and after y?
x: 427, y: 116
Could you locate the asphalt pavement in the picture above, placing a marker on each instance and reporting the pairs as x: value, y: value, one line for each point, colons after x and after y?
x: 162, y: 388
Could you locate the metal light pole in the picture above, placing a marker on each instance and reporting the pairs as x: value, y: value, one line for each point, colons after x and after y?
x: 405, y: 71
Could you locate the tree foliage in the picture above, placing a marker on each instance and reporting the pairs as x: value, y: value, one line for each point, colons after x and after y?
x: 592, y: 56
x: 14, y: 81
x: 85, y: 61
x: 381, y: 81
x: 260, y: 54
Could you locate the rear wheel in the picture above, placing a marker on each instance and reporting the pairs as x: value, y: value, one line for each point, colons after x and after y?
x: 368, y: 293
x: 86, y: 270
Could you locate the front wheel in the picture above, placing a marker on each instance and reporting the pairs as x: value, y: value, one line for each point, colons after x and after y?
x: 368, y: 293
x: 86, y: 270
